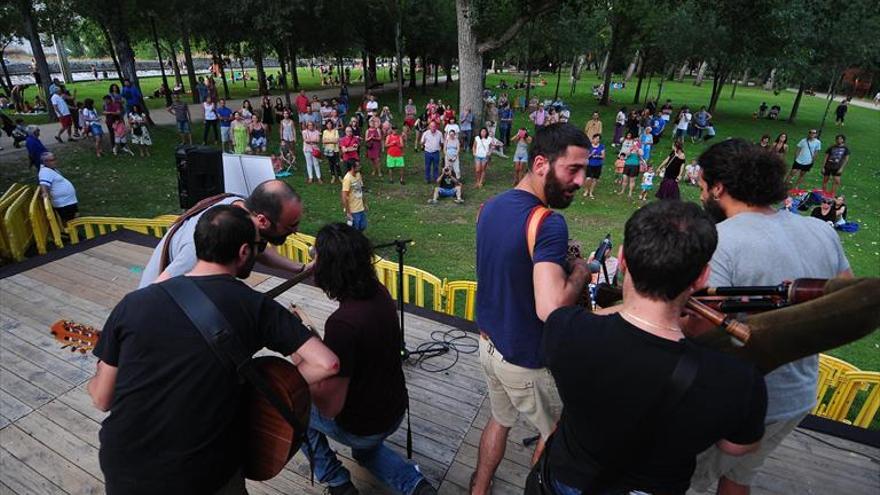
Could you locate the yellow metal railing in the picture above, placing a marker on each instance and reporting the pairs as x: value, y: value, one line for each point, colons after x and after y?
x: 54, y: 222
x: 9, y: 197
x: 17, y: 224
x: 91, y: 227
x: 39, y: 221
x: 468, y: 289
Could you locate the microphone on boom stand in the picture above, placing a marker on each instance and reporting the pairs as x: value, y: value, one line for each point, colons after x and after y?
x: 400, y: 246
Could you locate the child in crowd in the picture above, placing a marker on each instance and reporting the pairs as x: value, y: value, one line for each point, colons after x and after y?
x: 77, y: 119
x: 693, y: 172
x: 647, y: 139
x: 619, y: 164
x: 647, y: 182
x: 120, y: 137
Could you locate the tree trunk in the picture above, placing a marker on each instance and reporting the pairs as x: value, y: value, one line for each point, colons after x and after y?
x: 577, y: 66
x: 639, y: 83
x: 374, y: 73
x: 660, y: 89
x: 721, y: 74
x: 112, y: 50
x: 61, y: 55
x: 7, y: 81
x: 175, y: 65
x: 447, y: 70
x: 558, y: 80
x: 241, y: 64
x: 218, y: 59
x: 412, y: 71
x: 294, y: 69
x: 281, y: 61
x: 470, y: 62
x: 701, y: 73
x: 648, y: 89
x: 161, y: 65
x: 437, y: 73
x: 835, y: 79
x: 31, y: 31
x: 190, y: 69
x: 398, y: 41
x: 600, y: 70
x: 609, y: 60
x: 528, y: 72
x: 797, y: 103
x: 681, y: 72
x: 771, y: 80
x: 261, y: 71
x: 424, y: 74
x: 366, y: 72
x: 632, y: 67
x: 733, y: 91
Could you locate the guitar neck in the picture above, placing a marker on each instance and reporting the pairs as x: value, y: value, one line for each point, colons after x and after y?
x: 284, y: 286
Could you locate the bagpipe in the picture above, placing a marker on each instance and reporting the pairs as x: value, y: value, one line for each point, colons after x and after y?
x: 768, y: 325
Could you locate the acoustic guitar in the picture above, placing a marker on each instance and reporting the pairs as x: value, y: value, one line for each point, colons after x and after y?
x: 270, y: 440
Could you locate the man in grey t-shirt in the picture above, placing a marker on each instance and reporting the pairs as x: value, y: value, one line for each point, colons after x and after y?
x: 759, y: 245
x: 275, y: 209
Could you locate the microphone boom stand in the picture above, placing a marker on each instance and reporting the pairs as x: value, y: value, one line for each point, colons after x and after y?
x: 400, y: 247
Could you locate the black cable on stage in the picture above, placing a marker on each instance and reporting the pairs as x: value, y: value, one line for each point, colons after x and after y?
x: 455, y: 341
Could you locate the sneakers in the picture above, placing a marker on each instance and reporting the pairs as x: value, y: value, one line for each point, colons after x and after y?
x: 346, y: 489
x: 424, y: 488
x: 432, y: 201
x: 459, y: 201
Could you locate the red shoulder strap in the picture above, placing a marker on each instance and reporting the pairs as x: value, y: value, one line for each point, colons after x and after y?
x: 533, y: 226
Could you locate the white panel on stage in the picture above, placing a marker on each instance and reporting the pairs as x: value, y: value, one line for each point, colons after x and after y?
x: 243, y: 173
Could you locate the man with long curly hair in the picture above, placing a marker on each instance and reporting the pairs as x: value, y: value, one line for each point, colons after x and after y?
x: 365, y: 402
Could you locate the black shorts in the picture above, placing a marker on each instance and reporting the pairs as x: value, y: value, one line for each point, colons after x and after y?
x: 798, y: 166
x: 830, y: 172
x: 631, y: 170
x: 68, y: 212
x: 594, y: 172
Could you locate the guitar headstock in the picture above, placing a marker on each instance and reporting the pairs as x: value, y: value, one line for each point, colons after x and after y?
x: 75, y: 336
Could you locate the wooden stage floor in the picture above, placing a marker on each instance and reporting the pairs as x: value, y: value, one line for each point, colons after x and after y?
x: 49, y: 429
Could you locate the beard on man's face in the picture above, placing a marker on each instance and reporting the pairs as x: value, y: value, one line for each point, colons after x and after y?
x: 555, y: 192
x: 245, y: 270
x: 713, y: 208
x: 273, y: 238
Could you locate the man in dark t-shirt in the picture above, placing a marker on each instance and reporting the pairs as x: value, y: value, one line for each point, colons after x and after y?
x: 172, y: 428
x: 364, y: 403
x: 523, y: 276
x: 645, y: 435
x: 836, y: 158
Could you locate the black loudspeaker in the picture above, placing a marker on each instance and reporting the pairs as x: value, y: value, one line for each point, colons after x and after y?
x: 199, y: 173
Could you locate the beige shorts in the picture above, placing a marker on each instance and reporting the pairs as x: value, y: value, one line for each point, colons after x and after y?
x: 514, y: 390
x: 712, y: 464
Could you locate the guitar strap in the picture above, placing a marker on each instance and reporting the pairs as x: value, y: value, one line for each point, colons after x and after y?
x: 229, y: 350
x: 195, y: 210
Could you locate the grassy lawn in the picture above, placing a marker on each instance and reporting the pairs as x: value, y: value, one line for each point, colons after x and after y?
x: 444, y: 233
x: 97, y: 89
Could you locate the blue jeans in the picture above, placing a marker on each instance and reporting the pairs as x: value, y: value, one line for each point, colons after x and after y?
x: 432, y: 166
x: 561, y: 488
x: 369, y: 451
x: 359, y: 220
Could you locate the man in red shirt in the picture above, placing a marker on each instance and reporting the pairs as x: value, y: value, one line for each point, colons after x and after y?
x: 302, y: 107
x: 349, y: 145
